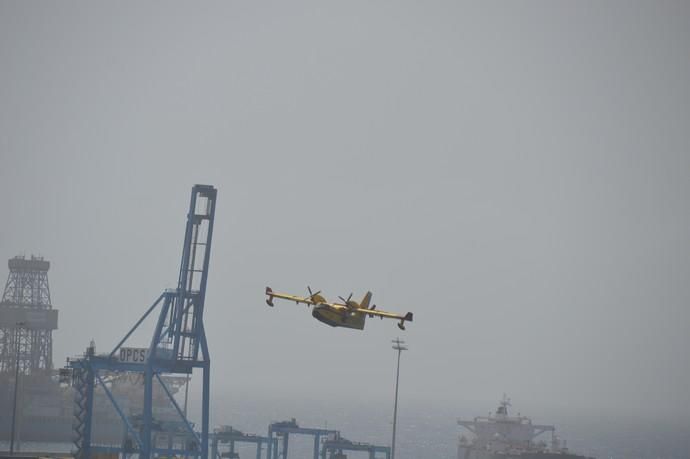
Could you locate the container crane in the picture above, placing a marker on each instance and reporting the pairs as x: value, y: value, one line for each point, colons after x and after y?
x: 177, y: 347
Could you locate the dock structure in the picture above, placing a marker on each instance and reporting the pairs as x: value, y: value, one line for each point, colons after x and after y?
x: 37, y: 455
x: 283, y: 430
x: 337, y: 445
x: 227, y: 436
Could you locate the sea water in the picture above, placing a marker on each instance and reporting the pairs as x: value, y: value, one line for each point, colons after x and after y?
x: 432, y: 433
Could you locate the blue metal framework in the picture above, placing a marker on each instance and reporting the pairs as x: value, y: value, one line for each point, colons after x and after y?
x: 340, y: 444
x: 231, y: 436
x: 283, y: 429
x: 178, y: 346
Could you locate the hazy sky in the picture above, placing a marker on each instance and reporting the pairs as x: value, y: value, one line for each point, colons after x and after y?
x: 516, y: 174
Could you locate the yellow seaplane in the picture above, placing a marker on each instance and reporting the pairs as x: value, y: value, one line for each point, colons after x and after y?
x: 348, y: 314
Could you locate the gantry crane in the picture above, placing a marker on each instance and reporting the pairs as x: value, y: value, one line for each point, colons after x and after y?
x: 178, y: 346
x: 283, y: 429
x: 338, y: 444
x: 228, y: 436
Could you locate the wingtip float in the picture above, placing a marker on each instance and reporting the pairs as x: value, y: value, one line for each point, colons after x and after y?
x: 269, y: 294
x: 348, y: 314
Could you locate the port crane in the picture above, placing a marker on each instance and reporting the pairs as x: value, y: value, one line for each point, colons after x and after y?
x: 177, y: 347
x: 338, y: 444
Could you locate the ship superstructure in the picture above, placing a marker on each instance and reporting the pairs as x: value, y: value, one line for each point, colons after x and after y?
x: 500, y: 435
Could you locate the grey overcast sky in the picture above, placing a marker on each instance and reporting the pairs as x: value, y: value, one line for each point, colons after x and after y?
x: 516, y: 173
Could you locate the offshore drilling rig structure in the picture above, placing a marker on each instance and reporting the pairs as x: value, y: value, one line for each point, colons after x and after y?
x: 27, y: 322
x: 27, y: 319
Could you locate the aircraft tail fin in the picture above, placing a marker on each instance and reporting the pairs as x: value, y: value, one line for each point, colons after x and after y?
x: 365, y: 301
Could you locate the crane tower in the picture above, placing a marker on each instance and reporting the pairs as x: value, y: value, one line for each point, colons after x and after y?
x: 177, y: 347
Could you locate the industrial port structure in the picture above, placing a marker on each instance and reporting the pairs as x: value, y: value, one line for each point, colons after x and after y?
x: 27, y: 320
x: 177, y: 346
x: 282, y: 430
x: 338, y: 445
x: 328, y: 443
x: 226, y: 437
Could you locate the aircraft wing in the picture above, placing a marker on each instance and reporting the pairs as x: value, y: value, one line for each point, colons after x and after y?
x: 389, y: 315
x: 297, y: 299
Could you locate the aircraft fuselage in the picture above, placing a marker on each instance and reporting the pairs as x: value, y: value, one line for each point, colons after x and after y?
x: 338, y: 318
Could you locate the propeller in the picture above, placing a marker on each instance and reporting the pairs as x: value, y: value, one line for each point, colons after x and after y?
x: 312, y: 294
x: 348, y: 299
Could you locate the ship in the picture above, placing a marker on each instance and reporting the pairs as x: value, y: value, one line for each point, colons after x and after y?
x: 502, y: 436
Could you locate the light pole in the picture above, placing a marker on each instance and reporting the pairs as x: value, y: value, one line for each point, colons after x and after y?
x: 16, y: 384
x: 399, y: 346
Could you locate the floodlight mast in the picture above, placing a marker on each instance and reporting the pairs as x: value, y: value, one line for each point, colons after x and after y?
x: 398, y: 345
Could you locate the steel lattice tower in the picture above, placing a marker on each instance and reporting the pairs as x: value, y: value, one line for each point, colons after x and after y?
x: 27, y: 319
x: 178, y: 346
